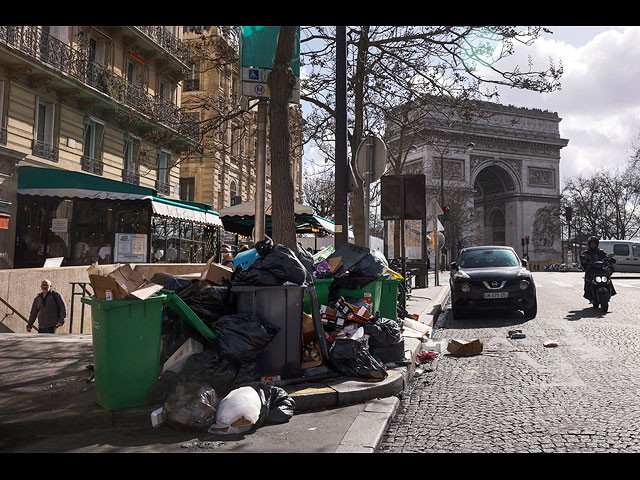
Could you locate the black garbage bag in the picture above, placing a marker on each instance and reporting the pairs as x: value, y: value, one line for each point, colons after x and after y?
x: 243, y: 337
x: 211, y: 367
x: 277, y: 405
x: 277, y: 265
x: 209, y: 302
x: 352, y: 358
x: 372, y: 265
x: 383, y: 333
x: 171, y: 282
x: 348, y: 282
x: 191, y: 406
x: 306, y: 259
x: 174, y: 332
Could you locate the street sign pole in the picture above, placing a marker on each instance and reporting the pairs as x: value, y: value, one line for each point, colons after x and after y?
x: 341, y: 167
x: 259, y: 232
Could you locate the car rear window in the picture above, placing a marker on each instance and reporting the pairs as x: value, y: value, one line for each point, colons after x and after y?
x: 488, y: 258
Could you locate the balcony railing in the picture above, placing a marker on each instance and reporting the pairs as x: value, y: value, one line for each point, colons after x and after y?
x: 168, y: 41
x: 35, y: 43
x: 3, y: 136
x: 45, y: 150
x: 91, y: 165
x: 130, y: 177
x: 163, y: 188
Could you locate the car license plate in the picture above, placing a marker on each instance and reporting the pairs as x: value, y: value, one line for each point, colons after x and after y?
x: 496, y: 295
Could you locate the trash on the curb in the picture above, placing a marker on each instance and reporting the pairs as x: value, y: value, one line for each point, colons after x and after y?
x: 433, y: 346
x: 123, y: 281
x: 191, y: 405
x: 515, y: 334
x: 237, y: 412
x: 158, y: 417
x: 426, y: 357
x: 550, y: 343
x: 462, y: 347
x: 176, y: 361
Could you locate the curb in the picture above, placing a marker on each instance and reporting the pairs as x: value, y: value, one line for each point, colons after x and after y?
x: 378, y: 413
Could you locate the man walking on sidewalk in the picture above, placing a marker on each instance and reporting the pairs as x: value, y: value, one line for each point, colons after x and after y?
x: 49, y: 308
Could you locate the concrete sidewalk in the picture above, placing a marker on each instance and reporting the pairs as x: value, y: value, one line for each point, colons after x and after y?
x: 44, y: 390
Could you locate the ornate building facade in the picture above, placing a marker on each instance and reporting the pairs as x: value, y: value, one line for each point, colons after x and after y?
x: 499, y: 176
x: 223, y: 172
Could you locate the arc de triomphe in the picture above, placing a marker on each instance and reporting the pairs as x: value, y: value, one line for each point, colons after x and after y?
x: 500, y: 177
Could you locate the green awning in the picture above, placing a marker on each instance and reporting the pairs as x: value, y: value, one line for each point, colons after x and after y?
x: 53, y: 182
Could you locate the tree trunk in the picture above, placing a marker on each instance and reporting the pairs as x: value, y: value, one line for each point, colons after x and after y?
x: 281, y: 82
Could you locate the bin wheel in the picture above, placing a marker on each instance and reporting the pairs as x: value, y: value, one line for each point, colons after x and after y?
x: 158, y: 392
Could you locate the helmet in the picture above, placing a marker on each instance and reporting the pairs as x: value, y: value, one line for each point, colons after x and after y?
x: 593, y: 239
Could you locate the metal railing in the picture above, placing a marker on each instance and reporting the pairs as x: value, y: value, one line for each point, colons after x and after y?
x: 37, y: 44
x: 168, y: 41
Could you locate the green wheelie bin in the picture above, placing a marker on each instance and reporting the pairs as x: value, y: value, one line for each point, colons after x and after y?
x: 126, y: 348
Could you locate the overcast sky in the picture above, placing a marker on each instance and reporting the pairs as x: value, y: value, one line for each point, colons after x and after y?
x: 599, y: 102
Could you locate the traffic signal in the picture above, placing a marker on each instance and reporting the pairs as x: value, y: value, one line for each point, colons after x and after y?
x: 526, y: 239
x: 445, y: 213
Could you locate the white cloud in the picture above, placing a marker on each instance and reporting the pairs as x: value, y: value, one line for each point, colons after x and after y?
x: 599, y: 102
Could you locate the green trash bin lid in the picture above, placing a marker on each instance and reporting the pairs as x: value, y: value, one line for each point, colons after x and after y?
x: 175, y: 303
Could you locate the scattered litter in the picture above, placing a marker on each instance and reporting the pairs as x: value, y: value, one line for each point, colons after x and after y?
x: 550, y: 343
x: 426, y: 357
x: 463, y: 348
x: 515, y: 334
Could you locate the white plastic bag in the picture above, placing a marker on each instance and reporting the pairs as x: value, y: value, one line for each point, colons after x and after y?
x: 237, y: 412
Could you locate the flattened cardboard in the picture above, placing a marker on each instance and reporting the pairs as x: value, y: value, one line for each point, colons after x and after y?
x: 463, y: 348
x: 123, y: 281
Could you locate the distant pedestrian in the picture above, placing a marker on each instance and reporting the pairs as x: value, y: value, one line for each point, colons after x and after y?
x: 49, y: 308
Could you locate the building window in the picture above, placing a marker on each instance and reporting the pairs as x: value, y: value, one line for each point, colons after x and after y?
x: 162, y: 181
x: 192, y: 82
x: 232, y: 193
x: 187, y: 189
x: 92, y: 148
x: 130, y: 160
x: 43, y: 146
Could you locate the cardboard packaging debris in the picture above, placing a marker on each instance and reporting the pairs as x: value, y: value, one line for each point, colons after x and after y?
x: 463, y: 348
x: 176, y: 361
x: 215, y: 272
x: 123, y: 281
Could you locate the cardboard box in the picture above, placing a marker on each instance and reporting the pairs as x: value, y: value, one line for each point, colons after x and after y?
x: 123, y: 281
x: 215, y: 272
x: 463, y: 348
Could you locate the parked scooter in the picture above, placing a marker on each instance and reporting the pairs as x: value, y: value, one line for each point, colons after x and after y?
x: 601, y: 287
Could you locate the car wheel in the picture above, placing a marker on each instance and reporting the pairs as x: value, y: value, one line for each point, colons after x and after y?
x: 530, y: 313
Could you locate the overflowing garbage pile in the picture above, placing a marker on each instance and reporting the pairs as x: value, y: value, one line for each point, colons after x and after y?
x: 211, y: 348
x: 361, y: 341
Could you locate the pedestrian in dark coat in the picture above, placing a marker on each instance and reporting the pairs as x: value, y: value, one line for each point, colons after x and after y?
x: 49, y: 308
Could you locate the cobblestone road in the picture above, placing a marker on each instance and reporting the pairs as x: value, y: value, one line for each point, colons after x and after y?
x: 520, y: 396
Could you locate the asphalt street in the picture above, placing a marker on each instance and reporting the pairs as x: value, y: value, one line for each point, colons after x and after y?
x: 523, y: 395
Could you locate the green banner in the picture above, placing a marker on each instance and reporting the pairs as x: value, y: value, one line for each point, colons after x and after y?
x: 258, y: 47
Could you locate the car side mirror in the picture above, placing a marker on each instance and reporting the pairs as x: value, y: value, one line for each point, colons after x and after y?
x: 454, y: 266
x: 525, y: 263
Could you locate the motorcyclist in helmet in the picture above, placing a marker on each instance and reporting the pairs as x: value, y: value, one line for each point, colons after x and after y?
x: 592, y: 254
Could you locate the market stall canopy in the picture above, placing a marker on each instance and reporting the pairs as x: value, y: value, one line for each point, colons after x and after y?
x: 240, y: 219
x: 53, y: 182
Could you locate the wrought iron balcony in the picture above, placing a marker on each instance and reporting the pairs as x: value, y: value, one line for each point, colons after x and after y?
x: 163, y: 188
x: 33, y: 42
x: 130, y: 177
x: 91, y: 165
x: 45, y: 150
x: 3, y: 136
x: 168, y: 41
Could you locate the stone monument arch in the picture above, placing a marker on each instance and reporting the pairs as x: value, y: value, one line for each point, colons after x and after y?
x: 507, y: 185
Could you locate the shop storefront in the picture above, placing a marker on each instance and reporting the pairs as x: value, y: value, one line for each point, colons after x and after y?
x: 84, y: 219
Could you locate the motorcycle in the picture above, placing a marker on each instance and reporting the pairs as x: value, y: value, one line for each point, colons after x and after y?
x: 600, y: 273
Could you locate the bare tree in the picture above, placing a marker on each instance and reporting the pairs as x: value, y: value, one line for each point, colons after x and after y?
x: 393, y: 66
